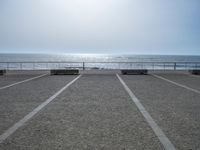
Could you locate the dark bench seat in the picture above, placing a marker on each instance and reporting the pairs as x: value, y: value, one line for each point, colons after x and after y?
x: 64, y: 72
x: 134, y: 71
x: 2, y: 72
x: 195, y: 71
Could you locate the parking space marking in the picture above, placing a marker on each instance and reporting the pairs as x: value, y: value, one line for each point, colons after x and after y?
x: 7, y: 86
x: 177, y: 84
x: 157, y: 130
x: 21, y: 122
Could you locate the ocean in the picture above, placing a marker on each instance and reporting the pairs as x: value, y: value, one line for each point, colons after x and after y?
x: 96, y: 61
x: 96, y: 58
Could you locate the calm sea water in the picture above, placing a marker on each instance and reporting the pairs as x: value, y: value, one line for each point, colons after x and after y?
x: 95, y: 58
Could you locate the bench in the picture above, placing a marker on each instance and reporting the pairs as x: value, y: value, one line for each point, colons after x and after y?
x: 134, y: 71
x: 195, y: 71
x: 2, y: 72
x: 64, y: 72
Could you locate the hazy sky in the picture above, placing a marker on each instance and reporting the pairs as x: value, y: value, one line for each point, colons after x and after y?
x: 100, y: 26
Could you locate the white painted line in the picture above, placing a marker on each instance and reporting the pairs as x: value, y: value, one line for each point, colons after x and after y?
x: 157, y: 130
x: 7, y: 86
x: 21, y: 122
x: 175, y: 83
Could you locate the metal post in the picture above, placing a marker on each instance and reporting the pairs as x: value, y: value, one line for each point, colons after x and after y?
x: 174, y: 66
x: 83, y: 65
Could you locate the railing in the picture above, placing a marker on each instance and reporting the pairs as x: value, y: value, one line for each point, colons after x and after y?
x: 99, y: 65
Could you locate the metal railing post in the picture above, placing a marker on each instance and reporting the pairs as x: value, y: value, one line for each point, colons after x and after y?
x: 174, y: 66
x: 83, y: 65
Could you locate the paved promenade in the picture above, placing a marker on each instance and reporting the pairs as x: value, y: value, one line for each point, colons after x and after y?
x: 99, y: 110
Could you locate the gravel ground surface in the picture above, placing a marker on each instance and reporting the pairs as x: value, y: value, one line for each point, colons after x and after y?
x: 13, y: 78
x: 100, y: 72
x: 93, y: 113
x: 17, y: 101
x: 192, y: 81
x: 175, y: 109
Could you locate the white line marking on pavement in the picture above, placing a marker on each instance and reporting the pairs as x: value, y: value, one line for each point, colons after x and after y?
x: 157, y: 130
x: 175, y: 83
x: 7, y: 86
x: 21, y: 122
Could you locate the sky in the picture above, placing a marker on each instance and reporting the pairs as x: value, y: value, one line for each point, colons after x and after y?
x: 100, y: 26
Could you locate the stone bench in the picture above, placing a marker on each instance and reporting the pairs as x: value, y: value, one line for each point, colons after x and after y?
x: 2, y: 72
x: 134, y: 71
x: 195, y: 71
x: 64, y: 72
